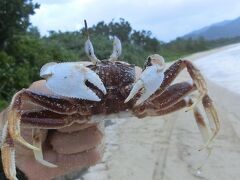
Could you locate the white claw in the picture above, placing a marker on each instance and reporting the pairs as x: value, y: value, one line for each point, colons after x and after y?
x: 149, y: 81
x: 117, y: 49
x: 68, y: 79
x: 93, y: 78
x: 37, y: 138
x: 137, y: 86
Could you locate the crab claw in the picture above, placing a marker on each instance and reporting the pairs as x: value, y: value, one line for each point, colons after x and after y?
x: 68, y: 79
x: 149, y: 81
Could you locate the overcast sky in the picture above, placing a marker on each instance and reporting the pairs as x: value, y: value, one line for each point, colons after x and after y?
x: 166, y: 19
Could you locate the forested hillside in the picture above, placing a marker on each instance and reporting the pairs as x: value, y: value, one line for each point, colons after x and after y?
x: 23, y: 50
x: 224, y: 29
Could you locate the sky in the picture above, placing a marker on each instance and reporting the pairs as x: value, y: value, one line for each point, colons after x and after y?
x: 166, y: 19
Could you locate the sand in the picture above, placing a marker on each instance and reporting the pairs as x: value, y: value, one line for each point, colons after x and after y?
x: 166, y: 148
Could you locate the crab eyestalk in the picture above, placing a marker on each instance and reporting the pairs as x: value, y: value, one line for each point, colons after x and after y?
x: 90, y: 52
x: 89, y: 47
x: 156, y: 60
x: 117, y: 49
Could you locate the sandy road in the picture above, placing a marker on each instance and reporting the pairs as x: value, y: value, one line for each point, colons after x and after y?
x: 166, y: 148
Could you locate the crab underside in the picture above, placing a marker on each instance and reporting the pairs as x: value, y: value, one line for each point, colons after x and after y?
x: 85, y: 93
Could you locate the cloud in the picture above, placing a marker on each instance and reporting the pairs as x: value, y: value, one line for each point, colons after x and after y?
x: 166, y: 19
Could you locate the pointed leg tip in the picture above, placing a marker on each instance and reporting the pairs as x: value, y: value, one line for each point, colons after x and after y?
x: 29, y: 145
x: 48, y: 164
x: 34, y: 148
x: 39, y: 157
x: 53, y: 165
x: 206, y: 146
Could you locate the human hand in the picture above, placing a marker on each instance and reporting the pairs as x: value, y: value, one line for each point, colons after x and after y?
x: 71, y: 148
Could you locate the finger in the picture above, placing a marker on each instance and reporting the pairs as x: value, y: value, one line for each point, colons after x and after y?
x: 75, y: 127
x: 26, y: 133
x: 66, y: 163
x: 68, y: 143
x: 41, y: 87
x: 82, y: 159
x: 38, y: 87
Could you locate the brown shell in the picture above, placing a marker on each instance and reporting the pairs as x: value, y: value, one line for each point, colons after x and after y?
x: 118, y: 78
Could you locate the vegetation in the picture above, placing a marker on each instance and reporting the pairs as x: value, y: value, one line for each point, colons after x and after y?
x: 23, y: 51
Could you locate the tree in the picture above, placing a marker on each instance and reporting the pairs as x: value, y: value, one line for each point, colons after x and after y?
x: 14, y: 18
x: 101, y: 29
x: 120, y: 29
x: 143, y: 38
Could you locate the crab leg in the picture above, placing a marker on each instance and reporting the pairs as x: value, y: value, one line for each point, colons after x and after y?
x: 8, y: 158
x: 141, y: 112
x: 201, y: 124
x: 14, y: 130
x: 171, y: 73
x: 37, y: 141
x: 46, y: 119
x: 13, y: 118
x: 183, y: 103
x: 198, y: 80
x: 11, y: 132
x: 200, y: 83
x: 55, y: 104
x: 212, y: 117
x: 169, y: 76
x: 170, y: 97
x: 169, y: 101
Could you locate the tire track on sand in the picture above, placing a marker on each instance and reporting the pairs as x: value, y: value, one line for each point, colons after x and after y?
x: 161, y: 147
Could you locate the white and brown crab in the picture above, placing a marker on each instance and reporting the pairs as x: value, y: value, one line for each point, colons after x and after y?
x: 94, y: 91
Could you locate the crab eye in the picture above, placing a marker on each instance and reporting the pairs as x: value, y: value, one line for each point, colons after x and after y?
x: 148, y: 62
x: 89, y: 52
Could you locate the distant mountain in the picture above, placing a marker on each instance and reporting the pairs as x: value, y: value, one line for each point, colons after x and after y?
x: 224, y: 29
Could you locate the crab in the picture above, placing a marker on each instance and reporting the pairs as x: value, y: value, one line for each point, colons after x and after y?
x: 99, y: 89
